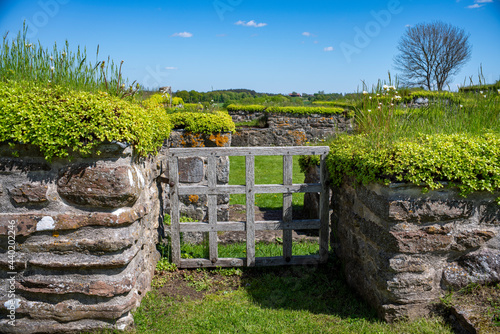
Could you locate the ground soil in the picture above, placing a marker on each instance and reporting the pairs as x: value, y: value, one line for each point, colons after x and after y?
x: 189, y: 284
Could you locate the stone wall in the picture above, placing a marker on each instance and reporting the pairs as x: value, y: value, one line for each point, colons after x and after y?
x: 192, y: 172
x: 403, y: 249
x: 85, y: 237
x: 289, y: 129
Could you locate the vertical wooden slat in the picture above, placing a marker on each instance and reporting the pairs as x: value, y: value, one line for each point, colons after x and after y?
x: 287, y: 206
x: 212, y: 208
x: 324, y: 211
x: 250, y: 202
x: 175, y: 236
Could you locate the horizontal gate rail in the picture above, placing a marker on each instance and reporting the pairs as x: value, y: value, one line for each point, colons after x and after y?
x: 287, y: 224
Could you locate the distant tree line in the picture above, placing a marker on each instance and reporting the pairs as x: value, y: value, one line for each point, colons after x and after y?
x: 247, y: 96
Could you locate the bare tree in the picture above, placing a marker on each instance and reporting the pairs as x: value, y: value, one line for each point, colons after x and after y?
x: 430, y: 54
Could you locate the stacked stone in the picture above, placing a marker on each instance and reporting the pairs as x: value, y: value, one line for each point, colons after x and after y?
x: 403, y: 249
x: 85, y: 239
x: 245, y: 116
x: 291, y: 129
x: 193, y: 172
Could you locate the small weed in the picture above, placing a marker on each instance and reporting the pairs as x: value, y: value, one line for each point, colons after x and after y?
x: 165, y: 265
x: 470, y: 288
x: 228, y: 271
x: 159, y: 281
x: 201, y: 284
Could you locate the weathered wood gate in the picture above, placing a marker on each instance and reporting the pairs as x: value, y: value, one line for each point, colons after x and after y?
x: 212, y: 189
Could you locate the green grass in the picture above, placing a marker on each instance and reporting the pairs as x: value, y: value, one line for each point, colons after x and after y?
x: 268, y: 170
x: 474, y: 115
x: 262, y: 249
x: 268, y: 300
x: 23, y: 60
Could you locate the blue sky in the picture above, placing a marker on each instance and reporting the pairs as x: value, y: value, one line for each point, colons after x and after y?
x: 270, y: 46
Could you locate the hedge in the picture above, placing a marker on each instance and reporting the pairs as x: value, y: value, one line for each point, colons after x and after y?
x: 290, y: 110
x: 60, y: 121
x: 471, y: 163
x: 340, y: 104
x: 247, y: 108
x: 207, y: 123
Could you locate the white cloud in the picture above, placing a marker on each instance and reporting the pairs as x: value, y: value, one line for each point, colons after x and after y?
x: 251, y: 23
x: 184, y: 34
x: 170, y: 68
x: 328, y: 49
x: 307, y: 34
x: 479, y: 3
x: 315, y: 42
x: 408, y: 25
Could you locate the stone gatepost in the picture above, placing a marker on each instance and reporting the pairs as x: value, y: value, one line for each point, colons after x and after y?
x: 402, y: 249
x: 77, y: 239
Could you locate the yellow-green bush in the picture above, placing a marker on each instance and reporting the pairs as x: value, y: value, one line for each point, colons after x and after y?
x: 340, y: 104
x: 176, y: 101
x: 247, y: 108
x: 469, y: 162
x: 289, y: 110
x: 157, y: 99
x: 207, y: 123
x: 60, y: 121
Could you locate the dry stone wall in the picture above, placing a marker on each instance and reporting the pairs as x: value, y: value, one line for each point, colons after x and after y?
x: 193, y: 172
x: 289, y: 129
x: 403, y: 249
x: 85, y: 234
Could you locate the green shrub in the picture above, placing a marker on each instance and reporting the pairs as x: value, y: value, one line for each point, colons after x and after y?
x: 207, y: 123
x: 157, y: 99
x: 305, y: 161
x: 469, y: 162
x: 176, y: 101
x: 247, y: 108
x: 290, y: 110
x: 305, y: 110
x: 60, y: 121
x: 340, y: 104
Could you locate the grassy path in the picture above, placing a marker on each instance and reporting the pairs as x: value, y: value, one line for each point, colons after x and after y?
x: 268, y: 170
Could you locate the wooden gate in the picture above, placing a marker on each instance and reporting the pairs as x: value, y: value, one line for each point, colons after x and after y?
x: 212, y: 189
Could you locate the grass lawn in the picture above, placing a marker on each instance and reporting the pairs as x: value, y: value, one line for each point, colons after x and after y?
x: 306, y: 299
x: 268, y: 170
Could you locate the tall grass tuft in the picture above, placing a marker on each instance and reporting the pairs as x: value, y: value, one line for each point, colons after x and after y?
x: 21, y: 60
x: 386, y: 120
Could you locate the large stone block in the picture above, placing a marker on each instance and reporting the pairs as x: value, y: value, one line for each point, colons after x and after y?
x: 421, y: 242
x: 481, y: 267
x: 403, y: 249
x: 29, y: 223
x: 191, y: 170
x: 99, y: 186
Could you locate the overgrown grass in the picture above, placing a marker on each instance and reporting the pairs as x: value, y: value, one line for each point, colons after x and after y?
x: 268, y: 170
x: 24, y: 60
x: 385, y: 124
